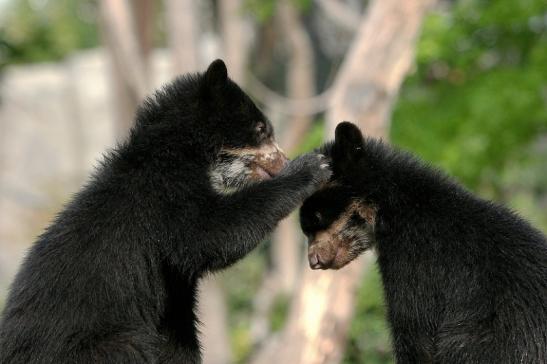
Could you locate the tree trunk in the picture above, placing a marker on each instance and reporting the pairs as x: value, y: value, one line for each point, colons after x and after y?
x: 301, y: 71
x: 300, y: 85
x: 376, y: 65
x: 287, y: 244
x: 144, y: 23
x: 129, y: 71
x: 234, y: 38
x: 214, y: 326
x: 182, y: 34
x: 363, y: 92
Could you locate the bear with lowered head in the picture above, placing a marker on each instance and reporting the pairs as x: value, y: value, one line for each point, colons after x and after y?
x: 199, y: 182
x: 465, y: 279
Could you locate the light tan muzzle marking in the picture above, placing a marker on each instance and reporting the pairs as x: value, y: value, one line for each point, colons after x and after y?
x: 265, y: 161
x: 336, y: 246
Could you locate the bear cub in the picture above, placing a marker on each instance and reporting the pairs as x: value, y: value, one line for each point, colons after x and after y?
x: 465, y: 279
x: 196, y: 186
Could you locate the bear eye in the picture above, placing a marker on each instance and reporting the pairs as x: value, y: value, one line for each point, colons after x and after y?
x: 260, y: 127
x: 318, y: 216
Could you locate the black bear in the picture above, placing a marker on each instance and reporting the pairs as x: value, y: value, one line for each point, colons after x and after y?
x: 113, y: 279
x: 465, y: 279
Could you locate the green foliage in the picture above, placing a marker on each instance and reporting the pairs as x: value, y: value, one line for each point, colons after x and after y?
x: 524, y: 184
x: 279, y: 312
x: 36, y: 31
x: 369, y: 340
x: 241, y: 283
x: 240, y: 337
x: 472, y: 129
x: 314, y: 139
x: 264, y: 10
x: 478, y: 98
x: 302, y: 5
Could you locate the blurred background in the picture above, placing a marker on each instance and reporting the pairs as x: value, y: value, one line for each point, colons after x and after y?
x: 461, y: 83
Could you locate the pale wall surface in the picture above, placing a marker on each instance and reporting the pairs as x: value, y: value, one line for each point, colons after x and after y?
x: 56, y: 120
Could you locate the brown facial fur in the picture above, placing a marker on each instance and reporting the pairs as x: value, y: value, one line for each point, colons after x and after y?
x: 269, y: 158
x: 341, y: 242
x: 238, y: 167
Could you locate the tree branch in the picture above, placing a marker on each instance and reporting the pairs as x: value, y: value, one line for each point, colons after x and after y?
x: 363, y: 92
x: 340, y: 13
x: 182, y: 35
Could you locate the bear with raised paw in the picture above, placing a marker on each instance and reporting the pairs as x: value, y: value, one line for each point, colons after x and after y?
x: 465, y: 279
x: 196, y: 186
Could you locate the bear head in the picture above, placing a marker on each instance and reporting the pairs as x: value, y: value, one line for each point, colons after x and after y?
x: 337, y: 220
x: 207, y: 120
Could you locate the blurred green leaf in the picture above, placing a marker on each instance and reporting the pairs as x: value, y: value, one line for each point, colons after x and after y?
x: 279, y: 312
x: 314, y: 139
x: 478, y: 97
x: 38, y: 31
x: 369, y: 339
x: 262, y: 10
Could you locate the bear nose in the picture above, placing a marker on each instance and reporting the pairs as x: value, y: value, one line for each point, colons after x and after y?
x: 315, y: 261
x: 278, y: 161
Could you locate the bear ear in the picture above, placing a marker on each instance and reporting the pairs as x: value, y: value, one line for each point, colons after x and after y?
x: 348, y: 140
x: 216, y: 74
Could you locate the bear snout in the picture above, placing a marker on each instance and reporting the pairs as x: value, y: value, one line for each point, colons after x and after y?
x: 271, y: 158
x: 321, y: 255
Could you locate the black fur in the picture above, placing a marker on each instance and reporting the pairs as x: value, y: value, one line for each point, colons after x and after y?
x: 113, y: 279
x: 465, y: 279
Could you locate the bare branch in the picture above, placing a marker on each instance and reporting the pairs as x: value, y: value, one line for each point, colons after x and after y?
x: 340, y: 13
x: 129, y: 71
x: 301, y: 71
x: 122, y: 43
x: 144, y: 23
x: 182, y: 35
x: 235, y: 42
x: 288, y: 106
x: 375, y: 66
x: 300, y: 84
x: 214, y: 322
